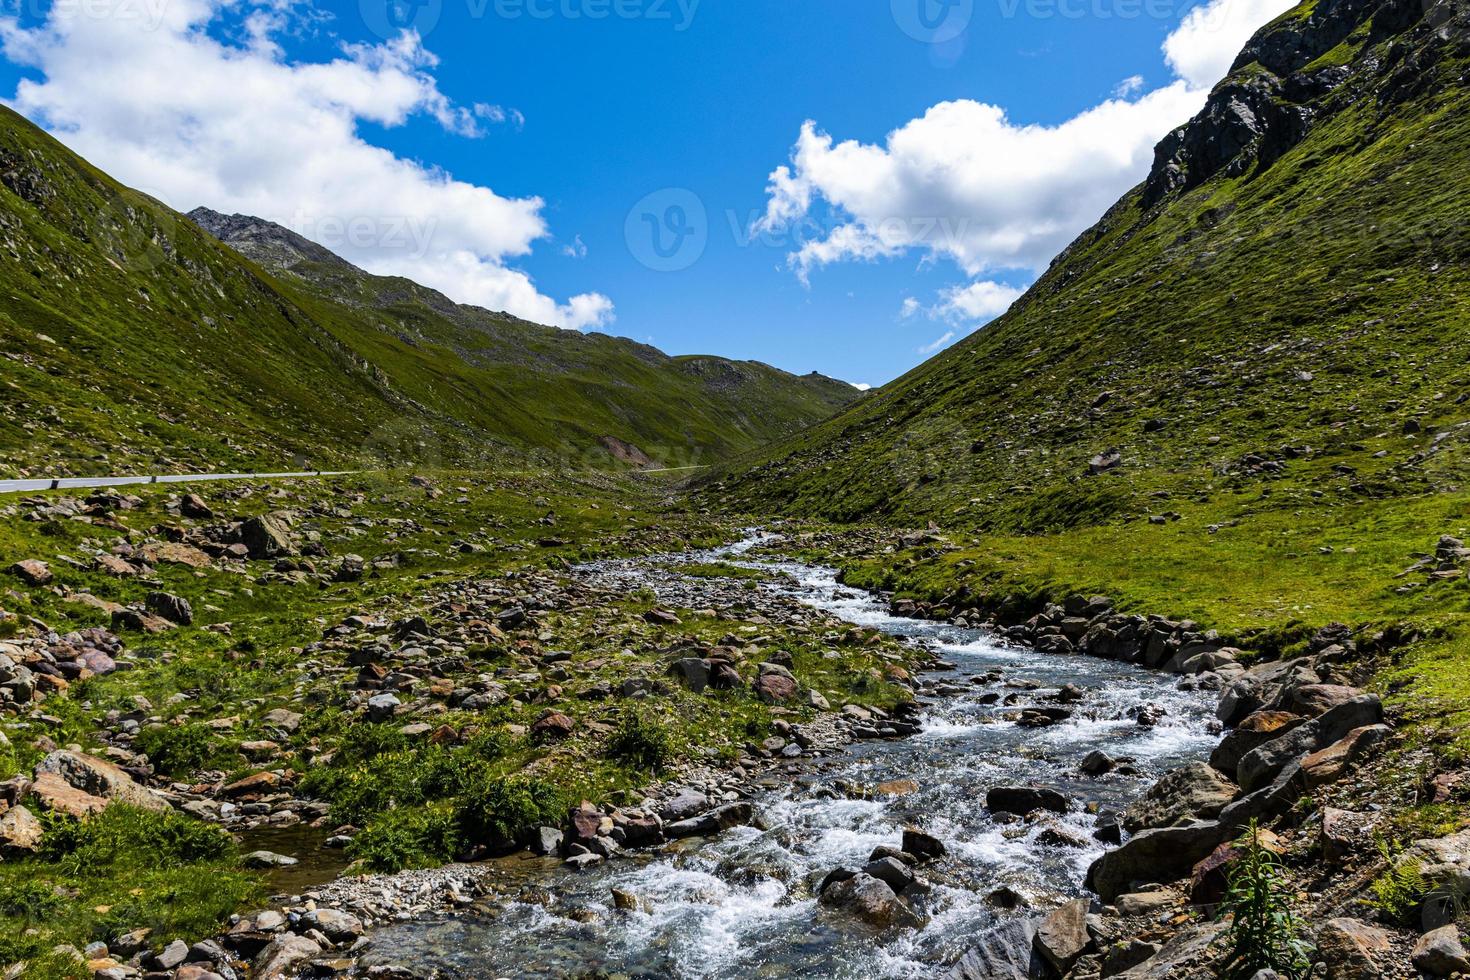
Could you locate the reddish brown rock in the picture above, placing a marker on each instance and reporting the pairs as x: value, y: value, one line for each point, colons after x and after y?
x: 256, y: 785
x: 553, y: 725
x: 1332, y: 763
x: 775, y: 688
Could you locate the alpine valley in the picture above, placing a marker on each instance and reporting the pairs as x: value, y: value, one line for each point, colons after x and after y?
x: 1128, y: 637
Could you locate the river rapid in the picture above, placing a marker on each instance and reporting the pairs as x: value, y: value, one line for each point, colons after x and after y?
x: 744, y: 905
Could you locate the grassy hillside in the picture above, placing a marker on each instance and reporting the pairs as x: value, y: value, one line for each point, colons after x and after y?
x: 134, y: 341
x: 1241, y: 398
x: 1284, y: 323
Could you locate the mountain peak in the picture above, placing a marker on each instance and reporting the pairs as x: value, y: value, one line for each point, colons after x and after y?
x: 264, y: 242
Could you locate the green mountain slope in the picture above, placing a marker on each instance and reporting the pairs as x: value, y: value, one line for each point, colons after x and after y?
x: 1279, y: 315
x: 133, y: 340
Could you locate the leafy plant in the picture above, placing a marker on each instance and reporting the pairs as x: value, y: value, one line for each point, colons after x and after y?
x: 503, y: 810
x: 177, y: 750
x: 642, y: 740
x: 422, y: 837
x: 1400, y: 891
x: 1264, y: 933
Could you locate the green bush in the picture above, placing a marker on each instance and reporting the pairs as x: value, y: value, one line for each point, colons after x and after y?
x: 642, y: 741
x: 177, y: 750
x: 29, y: 900
x: 124, y: 834
x: 498, y: 811
x: 422, y: 837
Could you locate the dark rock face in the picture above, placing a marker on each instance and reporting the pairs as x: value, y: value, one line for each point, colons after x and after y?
x: 1269, y: 100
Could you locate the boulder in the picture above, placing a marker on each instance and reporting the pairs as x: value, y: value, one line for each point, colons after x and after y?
x: 279, y: 960
x: 922, y: 845
x: 1025, y: 799
x: 20, y: 832
x: 1254, y: 731
x: 1180, y: 956
x: 1192, y: 792
x: 175, y: 609
x: 193, y: 505
x: 892, y: 872
x: 714, y: 822
x: 1440, y: 953
x: 32, y: 572
x: 692, y: 672
x: 774, y: 688
x: 1353, y: 950
x: 99, y: 778
x: 1315, y: 700
x: 553, y: 725
x: 339, y: 927
x: 266, y: 537
x: 1161, y: 855
x: 1005, y: 952
x: 1062, y: 937
x: 56, y: 795
x: 870, y: 900
x: 1262, y: 765
x: 1332, y: 763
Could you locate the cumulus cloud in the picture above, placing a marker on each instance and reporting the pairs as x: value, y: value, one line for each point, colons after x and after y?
x: 940, y: 342
x: 978, y: 302
x: 968, y: 184
x: 195, y: 102
x: 1204, y: 46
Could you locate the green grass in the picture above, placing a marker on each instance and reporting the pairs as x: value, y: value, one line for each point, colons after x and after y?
x: 119, y: 870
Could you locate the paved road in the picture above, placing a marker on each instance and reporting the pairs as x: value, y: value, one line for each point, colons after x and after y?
x: 84, y: 482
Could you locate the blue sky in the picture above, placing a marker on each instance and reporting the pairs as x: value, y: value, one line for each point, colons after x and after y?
x: 575, y: 128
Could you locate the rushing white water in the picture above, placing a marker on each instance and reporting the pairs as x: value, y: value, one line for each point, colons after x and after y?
x: 743, y: 905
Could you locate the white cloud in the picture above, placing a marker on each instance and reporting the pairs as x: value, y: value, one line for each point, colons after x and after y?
x: 966, y: 183
x: 1203, y: 47
x: 931, y: 348
x: 576, y: 250
x: 861, y: 387
x: 911, y: 308
x: 1131, y: 85
x: 977, y: 303
x: 147, y: 91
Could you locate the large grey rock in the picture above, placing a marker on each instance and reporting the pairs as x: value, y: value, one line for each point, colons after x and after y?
x: 279, y: 960
x: 1006, y: 952
x: 1025, y: 799
x: 1161, y: 855
x: 266, y: 537
x: 871, y: 900
x: 1440, y: 953
x: 1194, y: 791
x: 100, y: 779
x: 1062, y: 936
x: 1253, y: 731
x: 1180, y: 957
x: 1262, y: 685
x: 1263, y: 764
x: 338, y: 926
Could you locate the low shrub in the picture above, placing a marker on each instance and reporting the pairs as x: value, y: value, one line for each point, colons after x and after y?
x: 499, y: 811
x: 642, y: 741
